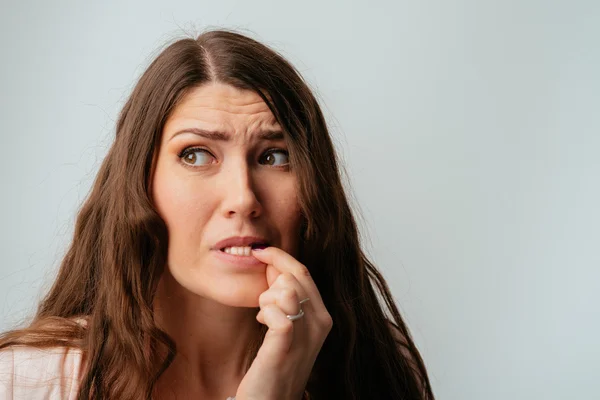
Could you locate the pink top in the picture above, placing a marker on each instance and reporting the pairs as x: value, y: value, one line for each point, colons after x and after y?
x: 39, y: 374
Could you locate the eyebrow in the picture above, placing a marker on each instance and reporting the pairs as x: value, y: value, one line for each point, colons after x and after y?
x: 225, y: 137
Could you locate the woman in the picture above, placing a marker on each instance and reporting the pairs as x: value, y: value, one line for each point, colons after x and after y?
x: 216, y: 255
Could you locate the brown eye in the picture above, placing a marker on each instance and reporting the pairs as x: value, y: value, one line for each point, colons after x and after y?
x: 275, y: 158
x: 196, y: 157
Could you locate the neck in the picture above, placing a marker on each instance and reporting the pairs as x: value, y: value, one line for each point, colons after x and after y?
x: 212, y: 342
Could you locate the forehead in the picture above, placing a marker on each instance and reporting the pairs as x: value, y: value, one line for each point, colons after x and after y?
x: 224, y: 108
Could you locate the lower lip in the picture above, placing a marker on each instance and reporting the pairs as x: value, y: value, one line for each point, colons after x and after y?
x: 243, y: 261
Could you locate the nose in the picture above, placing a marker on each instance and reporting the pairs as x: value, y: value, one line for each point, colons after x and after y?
x: 239, y: 192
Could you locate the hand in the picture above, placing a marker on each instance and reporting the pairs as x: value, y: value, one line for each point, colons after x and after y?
x: 283, y: 364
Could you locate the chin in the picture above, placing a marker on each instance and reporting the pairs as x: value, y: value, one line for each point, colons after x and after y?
x: 216, y: 282
x: 241, y: 291
x: 249, y: 300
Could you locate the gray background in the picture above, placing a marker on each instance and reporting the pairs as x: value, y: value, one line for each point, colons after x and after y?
x: 470, y: 132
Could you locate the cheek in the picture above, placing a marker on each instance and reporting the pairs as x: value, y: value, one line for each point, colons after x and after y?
x: 286, y: 215
x: 180, y: 205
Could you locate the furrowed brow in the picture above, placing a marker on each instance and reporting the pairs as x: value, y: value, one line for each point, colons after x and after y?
x: 270, y: 135
x: 212, y: 135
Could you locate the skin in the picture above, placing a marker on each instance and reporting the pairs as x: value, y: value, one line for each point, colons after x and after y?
x: 234, y: 188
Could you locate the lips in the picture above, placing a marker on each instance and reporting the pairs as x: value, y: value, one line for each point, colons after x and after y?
x: 252, y: 241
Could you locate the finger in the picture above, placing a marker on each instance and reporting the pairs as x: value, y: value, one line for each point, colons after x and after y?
x: 268, y: 297
x: 272, y: 274
x: 284, y: 262
x: 260, y: 317
x: 286, y: 298
x: 280, y: 335
x: 289, y: 281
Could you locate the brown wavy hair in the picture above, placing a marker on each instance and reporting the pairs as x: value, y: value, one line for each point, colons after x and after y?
x: 110, y: 272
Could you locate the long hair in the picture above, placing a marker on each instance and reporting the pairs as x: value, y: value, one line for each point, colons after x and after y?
x: 110, y: 272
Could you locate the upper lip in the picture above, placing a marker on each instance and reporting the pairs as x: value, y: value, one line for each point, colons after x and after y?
x: 239, y: 241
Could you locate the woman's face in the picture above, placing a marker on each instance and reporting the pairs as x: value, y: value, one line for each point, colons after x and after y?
x: 221, y: 172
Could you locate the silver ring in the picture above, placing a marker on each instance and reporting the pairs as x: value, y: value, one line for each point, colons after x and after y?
x: 300, y: 313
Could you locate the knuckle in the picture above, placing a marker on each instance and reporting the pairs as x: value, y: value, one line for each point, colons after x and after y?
x: 286, y: 277
x: 303, y: 271
x: 327, y: 321
x: 287, y: 327
x: 268, y: 309
x: 263, y: 297
x: 288, y: 294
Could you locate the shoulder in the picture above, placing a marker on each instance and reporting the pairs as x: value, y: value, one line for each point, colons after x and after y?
x: 32, y: 373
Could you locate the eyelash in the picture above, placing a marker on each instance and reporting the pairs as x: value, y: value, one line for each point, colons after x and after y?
x: 189, y: 150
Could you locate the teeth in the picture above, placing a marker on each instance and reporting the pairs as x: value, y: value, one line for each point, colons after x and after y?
x: 238, y: 251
